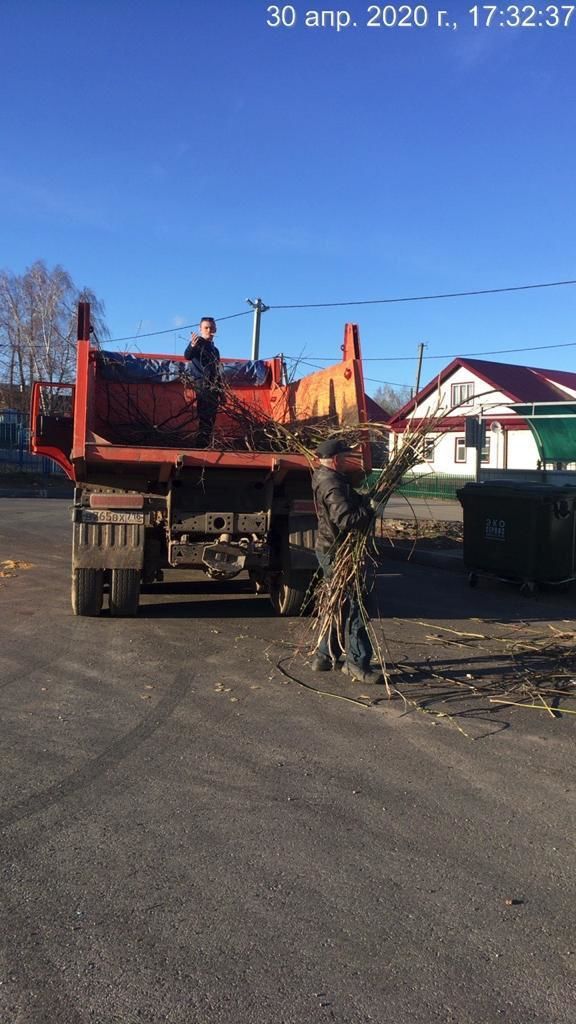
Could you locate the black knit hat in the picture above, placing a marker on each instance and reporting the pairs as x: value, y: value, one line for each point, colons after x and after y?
x: 334, y: 446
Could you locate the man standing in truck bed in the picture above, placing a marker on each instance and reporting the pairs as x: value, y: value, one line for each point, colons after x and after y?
x: 204, y: 359
x: 340, y: 509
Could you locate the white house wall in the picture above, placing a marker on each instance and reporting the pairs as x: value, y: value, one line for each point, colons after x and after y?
x: 440, y: 400
x: 509, y: 449
x: 522, y: 450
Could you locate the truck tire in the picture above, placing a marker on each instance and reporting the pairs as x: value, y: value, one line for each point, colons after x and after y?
x: 290, y: 593
x: 87, y: 587
x: 124, y: 592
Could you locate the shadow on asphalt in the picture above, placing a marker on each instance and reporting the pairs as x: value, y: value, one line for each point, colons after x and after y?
x: 475, y: 675
x: 431, y: 594
x: 426, y: 592
x: 207, y: 599
x: 411, y: 592
x: 200, y: 586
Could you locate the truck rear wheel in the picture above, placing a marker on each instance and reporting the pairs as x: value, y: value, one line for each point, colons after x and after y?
x: 87, y: 587
x: 290, y: 593
x: 124, y: 592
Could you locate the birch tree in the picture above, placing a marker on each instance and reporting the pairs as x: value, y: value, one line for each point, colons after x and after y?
x: 38, y: 311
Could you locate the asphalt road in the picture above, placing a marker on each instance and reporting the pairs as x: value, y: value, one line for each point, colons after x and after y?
x: 188, y: 835
x: 423, y: 508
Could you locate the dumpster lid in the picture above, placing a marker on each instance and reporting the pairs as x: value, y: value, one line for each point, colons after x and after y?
x: 519, y: 489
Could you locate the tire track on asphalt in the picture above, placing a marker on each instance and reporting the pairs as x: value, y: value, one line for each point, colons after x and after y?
x: 40, y: 987
x: 34, y: 665
x: 104, y: 762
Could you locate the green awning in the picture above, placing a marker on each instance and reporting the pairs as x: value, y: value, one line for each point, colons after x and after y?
x: 554, y: 429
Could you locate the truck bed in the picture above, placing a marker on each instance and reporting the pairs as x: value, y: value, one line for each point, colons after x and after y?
x: 137, y: 413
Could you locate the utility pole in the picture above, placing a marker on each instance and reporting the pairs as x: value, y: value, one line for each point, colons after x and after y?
x: 421, y: 348
x: 259, y: 307
x: 475, y: 437
x: 479, y: 445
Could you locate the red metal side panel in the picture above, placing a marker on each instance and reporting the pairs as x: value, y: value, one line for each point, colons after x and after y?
x: 332, y: 395
x: 124, y: 455
x: 82, y: 400
x: 335, y: 393
x: 44, y: 445
x: 328, y: 395
x: 152, y: 414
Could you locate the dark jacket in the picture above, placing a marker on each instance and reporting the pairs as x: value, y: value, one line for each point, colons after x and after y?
x: 205, y: 360
x: 338, y: 506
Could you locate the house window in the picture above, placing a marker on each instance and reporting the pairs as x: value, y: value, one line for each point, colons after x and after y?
x: 461, y: 394
x: 460, y: 450
x: 428, y: 449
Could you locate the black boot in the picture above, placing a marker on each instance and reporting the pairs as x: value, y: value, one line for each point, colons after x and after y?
x: 321, y: 663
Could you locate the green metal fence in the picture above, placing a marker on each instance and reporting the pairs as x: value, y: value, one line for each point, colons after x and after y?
x: 433, y: 485
x: 15, y: 456
x: 428, y: 485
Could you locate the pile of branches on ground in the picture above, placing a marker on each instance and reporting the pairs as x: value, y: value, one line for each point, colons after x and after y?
x: 524, y: 668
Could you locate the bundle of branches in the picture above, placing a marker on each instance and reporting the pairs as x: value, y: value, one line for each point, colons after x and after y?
x: 355, y: 553
x: 241, y: 425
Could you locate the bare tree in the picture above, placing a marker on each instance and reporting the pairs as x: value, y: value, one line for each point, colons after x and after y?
x: 391, y: 398
x: 38, y: 329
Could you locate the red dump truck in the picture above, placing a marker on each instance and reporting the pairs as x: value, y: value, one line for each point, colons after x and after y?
x: 146, y: 499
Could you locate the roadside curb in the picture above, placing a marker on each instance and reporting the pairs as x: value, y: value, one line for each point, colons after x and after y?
x: 39, y: 492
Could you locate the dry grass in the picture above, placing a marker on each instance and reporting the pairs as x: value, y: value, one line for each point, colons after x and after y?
x: 467, y: 676
x: 428, y: 533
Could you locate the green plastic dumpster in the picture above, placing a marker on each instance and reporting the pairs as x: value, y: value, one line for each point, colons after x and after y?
x: 520, y: 531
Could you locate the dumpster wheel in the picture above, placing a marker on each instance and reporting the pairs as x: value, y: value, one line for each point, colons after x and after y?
x: 528, y: 588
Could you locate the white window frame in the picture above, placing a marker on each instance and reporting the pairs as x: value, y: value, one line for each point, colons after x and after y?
x: 428, y: 449
x: 460, y: 396
x: 460, y: 446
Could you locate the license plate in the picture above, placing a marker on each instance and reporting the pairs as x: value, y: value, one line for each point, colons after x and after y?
x: 104, y: 515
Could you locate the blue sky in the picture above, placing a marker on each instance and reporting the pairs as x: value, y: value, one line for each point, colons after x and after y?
x: 178, y: 157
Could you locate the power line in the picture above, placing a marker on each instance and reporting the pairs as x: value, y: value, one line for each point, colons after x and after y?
x: 373, y: 380
x: 172, y: 330
x: 453, y: 355
x: 366, y: 302
x: 393, y: 384
x: 502, y: 351
x: 426, y: 298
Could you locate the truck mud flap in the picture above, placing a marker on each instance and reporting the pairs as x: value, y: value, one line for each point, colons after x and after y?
x: 108, y: 546
x: 302, y: 531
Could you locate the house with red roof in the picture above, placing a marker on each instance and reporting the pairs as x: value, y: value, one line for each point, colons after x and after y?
x: 474, y: 387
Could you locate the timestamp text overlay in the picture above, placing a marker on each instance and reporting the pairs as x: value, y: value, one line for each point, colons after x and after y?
x: 418, y: 17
